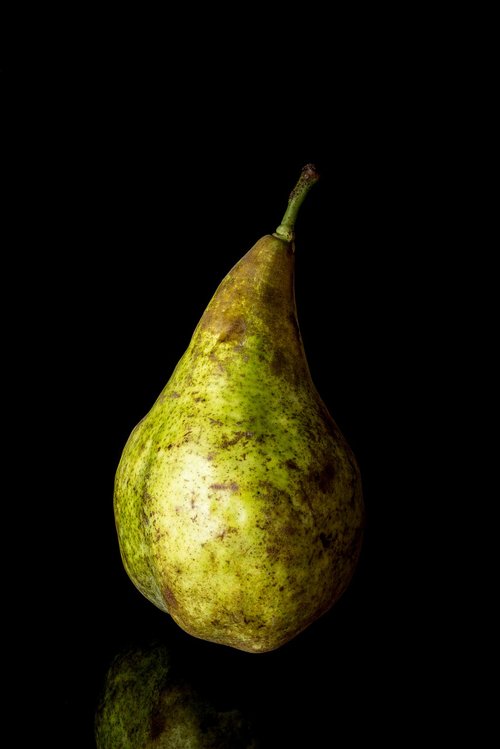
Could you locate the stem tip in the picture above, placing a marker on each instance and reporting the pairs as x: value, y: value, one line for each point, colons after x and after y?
x: 308, y: 177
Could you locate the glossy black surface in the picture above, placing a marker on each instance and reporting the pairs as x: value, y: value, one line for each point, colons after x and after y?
x: 136, y: 230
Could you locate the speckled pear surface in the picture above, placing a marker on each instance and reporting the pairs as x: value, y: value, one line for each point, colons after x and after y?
x: 238, y: 502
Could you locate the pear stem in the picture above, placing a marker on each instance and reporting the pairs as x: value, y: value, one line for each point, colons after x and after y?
x: 307, y: 179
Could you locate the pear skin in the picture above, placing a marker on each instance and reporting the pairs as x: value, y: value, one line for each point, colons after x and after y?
x: 238, y: 502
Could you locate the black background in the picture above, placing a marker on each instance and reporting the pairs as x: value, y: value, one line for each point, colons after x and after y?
x: 143, y: 193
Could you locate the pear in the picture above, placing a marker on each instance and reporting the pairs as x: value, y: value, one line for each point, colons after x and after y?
x: 238, y: 502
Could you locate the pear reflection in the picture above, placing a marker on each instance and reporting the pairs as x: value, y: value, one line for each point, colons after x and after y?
x: 147, y: 702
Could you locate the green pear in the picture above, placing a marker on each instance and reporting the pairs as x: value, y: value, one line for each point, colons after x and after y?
x: 238, y: 501
x: 146, y: 705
